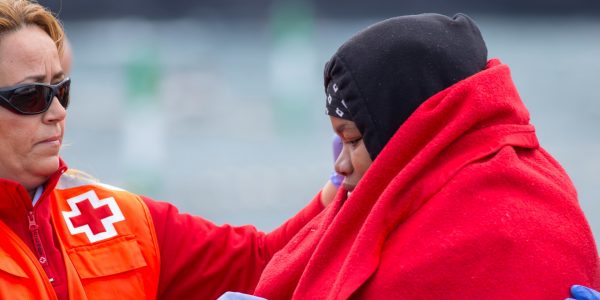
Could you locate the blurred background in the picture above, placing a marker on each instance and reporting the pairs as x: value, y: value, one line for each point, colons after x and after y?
x: 218, y: 106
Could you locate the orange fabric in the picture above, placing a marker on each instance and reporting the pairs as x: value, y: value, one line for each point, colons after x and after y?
x: 128, y: 258
x: 19, y: 270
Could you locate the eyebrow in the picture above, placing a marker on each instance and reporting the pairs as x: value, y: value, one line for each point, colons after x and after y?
x: 340, y: 129
x: 40, y: 78
x: 345, y: 126
x: 59, y: 75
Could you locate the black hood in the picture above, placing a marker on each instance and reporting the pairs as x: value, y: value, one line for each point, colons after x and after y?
x: 386, y: 71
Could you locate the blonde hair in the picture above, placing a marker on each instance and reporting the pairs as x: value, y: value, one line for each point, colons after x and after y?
x: 16, y: 14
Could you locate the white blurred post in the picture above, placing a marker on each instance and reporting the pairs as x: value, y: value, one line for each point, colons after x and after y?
x: 144, y: 140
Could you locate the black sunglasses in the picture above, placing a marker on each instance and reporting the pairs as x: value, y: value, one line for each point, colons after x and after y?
x: 34, y: 98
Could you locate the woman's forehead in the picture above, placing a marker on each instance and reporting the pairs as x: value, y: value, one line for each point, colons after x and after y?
x: 340, y: 124
x: 26, y: 55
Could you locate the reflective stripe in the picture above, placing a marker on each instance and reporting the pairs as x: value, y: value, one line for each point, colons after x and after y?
x: 75, y: 178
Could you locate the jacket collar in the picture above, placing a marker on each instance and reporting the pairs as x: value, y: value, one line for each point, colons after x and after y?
x: 13, y: 195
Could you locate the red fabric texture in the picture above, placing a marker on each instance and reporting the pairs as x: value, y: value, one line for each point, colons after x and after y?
x: 14, y: 207
x: 461, y: 203
x: 202, y: 260
x: 198, y: 258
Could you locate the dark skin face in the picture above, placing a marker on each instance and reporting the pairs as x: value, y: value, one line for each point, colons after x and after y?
x: 354, y: 160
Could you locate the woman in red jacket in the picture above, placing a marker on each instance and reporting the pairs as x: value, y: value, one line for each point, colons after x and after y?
x: 447, y: 192
x: 67, y: 236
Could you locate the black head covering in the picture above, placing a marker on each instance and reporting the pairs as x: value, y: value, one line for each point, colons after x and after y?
x: 383, y: 73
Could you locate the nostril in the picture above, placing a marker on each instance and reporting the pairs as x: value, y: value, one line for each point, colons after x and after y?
x: 343, y: 166
x: 339, y: 170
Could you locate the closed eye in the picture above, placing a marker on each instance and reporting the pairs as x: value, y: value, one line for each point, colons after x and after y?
x: 354, y: 142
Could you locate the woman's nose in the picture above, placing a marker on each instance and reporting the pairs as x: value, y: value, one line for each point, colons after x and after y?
x: 343, y: 164
x: 56, y: 112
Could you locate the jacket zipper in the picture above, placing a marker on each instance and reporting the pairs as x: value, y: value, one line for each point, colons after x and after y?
x: 37, y: 243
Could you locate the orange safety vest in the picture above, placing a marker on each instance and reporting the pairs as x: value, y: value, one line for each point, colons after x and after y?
x: 108, y: 242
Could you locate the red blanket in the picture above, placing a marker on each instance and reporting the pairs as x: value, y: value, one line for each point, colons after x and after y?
x: 462, y: 203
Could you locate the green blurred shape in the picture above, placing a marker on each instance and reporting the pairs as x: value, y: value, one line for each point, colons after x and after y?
x: 142, y: 77
x: 292, y: 25
x: 291, y: 18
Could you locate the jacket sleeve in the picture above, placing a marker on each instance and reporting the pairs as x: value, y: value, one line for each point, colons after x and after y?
x: 203, y: 260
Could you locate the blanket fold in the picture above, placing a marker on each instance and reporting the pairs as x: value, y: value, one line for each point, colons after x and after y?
x: 461, y: 202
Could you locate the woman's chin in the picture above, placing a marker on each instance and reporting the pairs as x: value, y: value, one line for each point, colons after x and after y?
x: 47, y: 166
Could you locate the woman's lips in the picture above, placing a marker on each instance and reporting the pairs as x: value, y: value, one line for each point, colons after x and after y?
x: 55, y: 140
x: 349, y: 188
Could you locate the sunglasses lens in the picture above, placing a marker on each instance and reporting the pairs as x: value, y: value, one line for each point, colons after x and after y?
x: 35, y: 98
x: 31, y: 99
x: 63, y: 93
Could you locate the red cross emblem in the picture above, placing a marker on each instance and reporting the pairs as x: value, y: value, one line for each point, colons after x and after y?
x: 92, y: 216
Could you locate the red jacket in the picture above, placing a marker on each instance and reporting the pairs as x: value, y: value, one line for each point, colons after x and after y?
x: 197, y: 258
x: 462, y: 203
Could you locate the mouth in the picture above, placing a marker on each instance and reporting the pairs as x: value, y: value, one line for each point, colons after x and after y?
x: 349, y: 188
x: 54, y: 140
